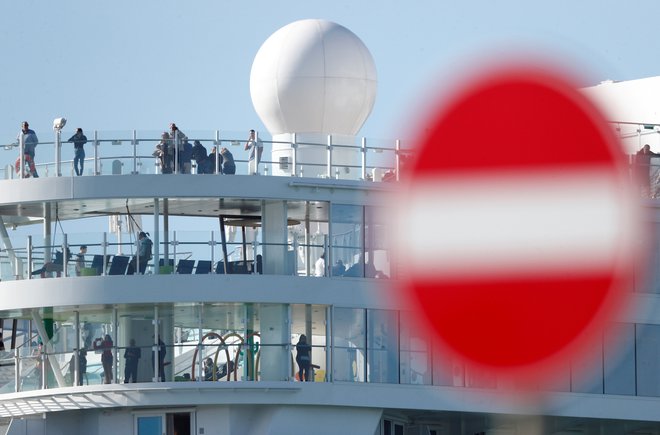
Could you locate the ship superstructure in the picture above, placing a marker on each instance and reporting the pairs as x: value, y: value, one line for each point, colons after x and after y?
x: 241, y: 267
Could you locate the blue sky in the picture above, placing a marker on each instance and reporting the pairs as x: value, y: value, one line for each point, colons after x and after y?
x: 140, y: 64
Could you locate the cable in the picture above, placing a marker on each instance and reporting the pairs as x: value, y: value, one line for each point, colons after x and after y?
x: 128, y: 212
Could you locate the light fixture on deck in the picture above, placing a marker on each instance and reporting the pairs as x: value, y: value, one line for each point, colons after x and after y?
x: 59, y: 123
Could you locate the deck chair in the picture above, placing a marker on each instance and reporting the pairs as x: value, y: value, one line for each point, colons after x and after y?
x: 220, y: 267
x: 118, y: 265
x: 240, y: 267
x: 185, y: 267
x: 97, y: 263
x: 203, y: 267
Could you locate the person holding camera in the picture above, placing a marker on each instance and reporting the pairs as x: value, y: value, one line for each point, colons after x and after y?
x: 79, y: 140
x: 104, y: 345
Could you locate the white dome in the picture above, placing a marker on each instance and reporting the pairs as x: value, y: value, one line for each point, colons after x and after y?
x: 313, y: 76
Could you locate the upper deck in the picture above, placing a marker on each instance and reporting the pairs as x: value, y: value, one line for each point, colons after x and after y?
x: 225, y: 223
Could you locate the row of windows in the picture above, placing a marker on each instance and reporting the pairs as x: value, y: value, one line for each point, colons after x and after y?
x: 260, y: 342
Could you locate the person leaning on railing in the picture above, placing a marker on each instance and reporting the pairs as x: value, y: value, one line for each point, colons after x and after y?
x: 79, y: 140
x: 643, y: 170
x: 143, y: 255
x: 228, y: 164
x: 163, y: 153
x: 177, y: 139
x: 80, y: 259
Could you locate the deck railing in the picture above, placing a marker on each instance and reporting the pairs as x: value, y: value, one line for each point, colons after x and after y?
x: 132, y: 152
x: 189, y: 252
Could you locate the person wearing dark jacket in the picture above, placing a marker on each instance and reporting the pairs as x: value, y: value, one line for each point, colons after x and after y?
x: 132, y: 355
x: 161, y: 351
x: 228, y: 165
x: 304, y: 359
x: 200, y: 156
x: 79, y: 140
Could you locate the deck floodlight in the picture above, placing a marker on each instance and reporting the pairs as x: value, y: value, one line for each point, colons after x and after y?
x: 59, y: 123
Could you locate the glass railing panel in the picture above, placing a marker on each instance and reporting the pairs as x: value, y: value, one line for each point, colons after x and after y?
x: 415, y: 367
x: 620, y: 359
x: 58, y: 361
x: 14, y: 266
x: 94, y: 375
x: 123, y: 165
x: 30, y: 365
x: 193, y: 245
x: 272, y: 361
x: 380, y: 159
x: 416, y: 364
x: 182, y: 357
x: 126, y: 152
x: 349, y: 364
x: 7, y: 371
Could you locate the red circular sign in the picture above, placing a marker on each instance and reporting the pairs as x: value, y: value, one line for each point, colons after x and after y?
x: 515, y: 228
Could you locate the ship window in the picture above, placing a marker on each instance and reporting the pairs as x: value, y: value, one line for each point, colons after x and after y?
x: 415, y: 365
x: 229, y: 322
x: 308, y: 229
x: 164, y: 423
x: 347, y: 239
x: 383, y: 346
x: 387, y: 427
x: 647, y: 279
x: 349, y: 344
x: 648, y: 365
x: 136, y: 322
x: 149, y: 425
x: 311, y: 321
x: 619, y: 359
x: 185, y: 338
x: 587, y: 372
x: 448, y: 369
x: 376, y: 249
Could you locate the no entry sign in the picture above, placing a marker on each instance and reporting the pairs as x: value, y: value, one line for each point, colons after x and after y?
x: 516, y: 227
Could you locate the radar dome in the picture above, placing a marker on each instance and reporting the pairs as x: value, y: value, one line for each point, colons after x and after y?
x: 313, y: 76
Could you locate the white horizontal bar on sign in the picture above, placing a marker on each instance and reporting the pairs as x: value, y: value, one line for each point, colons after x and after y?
x: 516, y: 223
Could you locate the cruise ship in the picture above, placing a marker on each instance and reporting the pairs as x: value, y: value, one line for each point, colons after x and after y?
x: 199, y: 330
